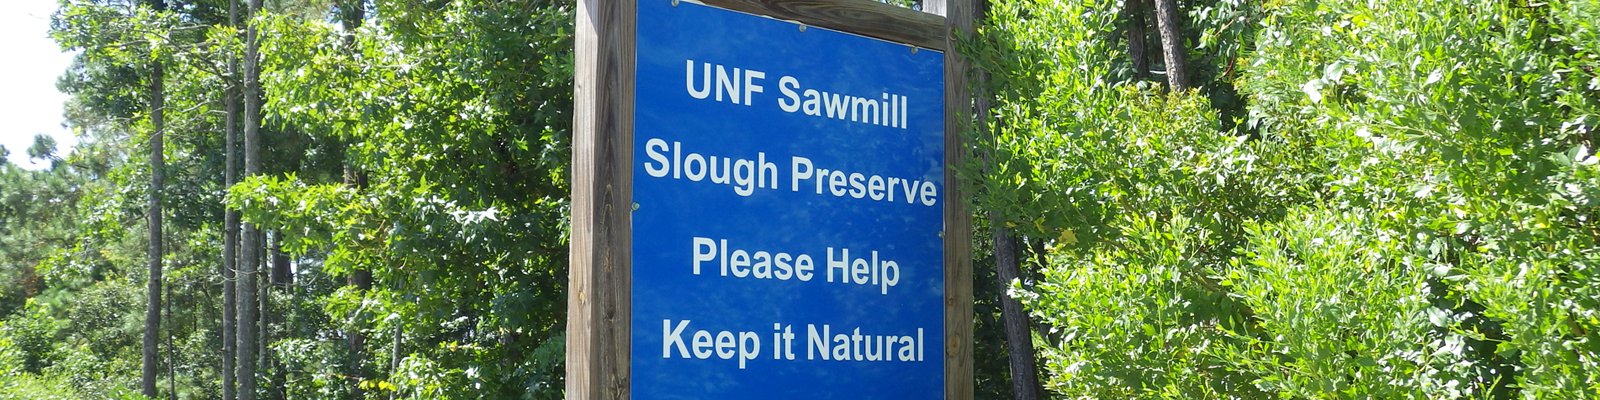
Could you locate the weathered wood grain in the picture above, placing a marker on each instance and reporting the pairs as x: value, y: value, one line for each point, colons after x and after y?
x: 600, y: 285
x: 959, y: 15
x: 861, y: 17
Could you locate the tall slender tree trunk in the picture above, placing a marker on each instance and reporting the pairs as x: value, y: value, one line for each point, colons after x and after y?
x: 230, y: 222
x: 1172, y: 47
x: 351, y: 15
x: 152, y: 316
x: 1019, y: 338
x: 1019, y: 335
x: 394, y: 356
x: 263, y: 304
x: 265, y: 331
x: 172, y: 351
x: 1134, y: 10
x: 282, y: 278
x: 361, y: 279
x: 252, y: 235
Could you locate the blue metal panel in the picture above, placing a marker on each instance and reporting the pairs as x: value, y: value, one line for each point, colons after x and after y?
x: 718, y: 87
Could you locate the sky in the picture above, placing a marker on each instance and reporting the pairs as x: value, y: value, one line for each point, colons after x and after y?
x: 29, y: 101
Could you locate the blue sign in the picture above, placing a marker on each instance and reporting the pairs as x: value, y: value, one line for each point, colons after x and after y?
x: 788, y: 208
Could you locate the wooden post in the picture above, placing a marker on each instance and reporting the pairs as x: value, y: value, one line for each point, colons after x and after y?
x: 599, y: 288
x: 958, y: 16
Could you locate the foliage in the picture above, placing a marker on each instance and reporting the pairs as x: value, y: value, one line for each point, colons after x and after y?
x: 32, y: 224
x: 27, y: 386
x: 1362, y: 199
x: 459, y: 113
x: 1407, y: 212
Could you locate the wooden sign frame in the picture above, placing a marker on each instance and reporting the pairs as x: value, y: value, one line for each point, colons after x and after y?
x: 599, y: 288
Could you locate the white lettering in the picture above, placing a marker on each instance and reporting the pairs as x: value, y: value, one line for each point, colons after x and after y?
x: 751, y: 87
x: 672, y: 337
x: 705, y: 83
x: 790, y: 102
x: 660, y: 168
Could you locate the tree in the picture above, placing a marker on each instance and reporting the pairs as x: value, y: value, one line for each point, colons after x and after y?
x: 1174, y: 52
x: 43, y: 149
x: 1370, y: 231
x: 1019, y: 332
x: 34, y: 223
x: 247, y: 274
x: 152, y: 319
x: 230, y: 222
x: 143, y: 42
x: 471, y: 207
x: 1133, y: 11
x: 351, y: 15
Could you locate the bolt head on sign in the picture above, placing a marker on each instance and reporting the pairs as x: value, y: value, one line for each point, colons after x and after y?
x: 788, y: 191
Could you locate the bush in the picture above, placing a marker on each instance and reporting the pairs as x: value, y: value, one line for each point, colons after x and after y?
x: 1409, y: 210
x: 29, y: 339
x: 26, y: 386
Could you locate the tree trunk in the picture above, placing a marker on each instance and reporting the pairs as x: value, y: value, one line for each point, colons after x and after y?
x: 265, y: 366
x: 172, y: 351
x: 1134, y: 10
x: 252, y: 235
x: 152, y: 316
x: 263, y: 310
x: 282, y: 275
x: 281, y: 278
x: 394, y: 356
x: 230, y: 223
x: 1019, y: 334
x: 362, y: 280
x: 351, y: 15
x: 1172, y: 47
x: 1153, y: 53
